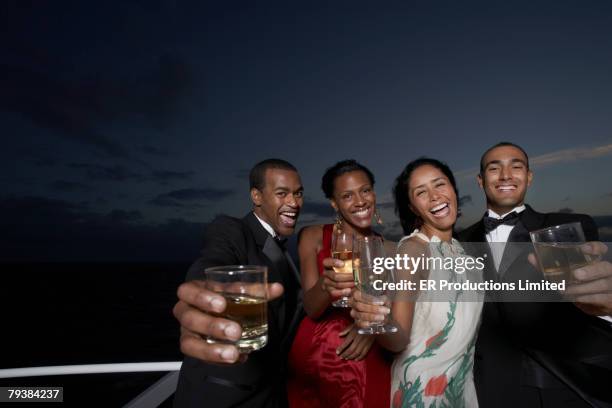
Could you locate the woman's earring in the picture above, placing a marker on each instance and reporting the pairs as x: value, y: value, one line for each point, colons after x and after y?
x: 379, y: 220
x: 338, y: 222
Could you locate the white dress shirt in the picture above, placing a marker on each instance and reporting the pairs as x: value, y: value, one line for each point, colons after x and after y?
x: 500, y: 235
x: 266, y: 226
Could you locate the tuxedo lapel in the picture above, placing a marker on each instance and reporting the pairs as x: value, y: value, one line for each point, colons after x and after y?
x: 281, y: 269
x: 476, y: 239
x: 529, y: 220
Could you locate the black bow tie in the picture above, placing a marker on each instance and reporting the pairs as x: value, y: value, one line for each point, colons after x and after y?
x: 491, y: 223
x: 282, y: 242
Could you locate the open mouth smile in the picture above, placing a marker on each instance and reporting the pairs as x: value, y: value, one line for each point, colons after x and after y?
x: 440, y: 210
x: 288, y: 218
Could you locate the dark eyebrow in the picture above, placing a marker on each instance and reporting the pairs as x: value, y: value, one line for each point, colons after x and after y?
x: 432, y: 181
x: 513, y: 160
x: 357, y: 188
x: 492, y: 162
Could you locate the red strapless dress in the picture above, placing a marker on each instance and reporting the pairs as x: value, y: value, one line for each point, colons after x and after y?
x: 320, y: 378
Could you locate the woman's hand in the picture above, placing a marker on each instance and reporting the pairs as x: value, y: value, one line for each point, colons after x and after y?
x: 368, y: 310
x: 336, y: 284
x: 355, y: 345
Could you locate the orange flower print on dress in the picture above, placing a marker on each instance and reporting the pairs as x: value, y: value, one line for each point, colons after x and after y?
x: 435, y: 339
x: 436, y: 386
x: 398, y: 396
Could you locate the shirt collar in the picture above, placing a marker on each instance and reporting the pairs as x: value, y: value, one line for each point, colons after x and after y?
x: 266, y: 226
x: 493, y: 214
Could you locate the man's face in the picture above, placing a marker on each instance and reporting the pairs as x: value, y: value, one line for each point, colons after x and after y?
x: 505, y: 178
x: 280, y: 200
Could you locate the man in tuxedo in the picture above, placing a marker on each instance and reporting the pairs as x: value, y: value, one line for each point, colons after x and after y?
x: 208, y: 375
x: 532, y: 354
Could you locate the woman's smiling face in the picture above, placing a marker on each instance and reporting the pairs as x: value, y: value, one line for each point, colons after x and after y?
x: 354, y: 198
x: 432, y: 198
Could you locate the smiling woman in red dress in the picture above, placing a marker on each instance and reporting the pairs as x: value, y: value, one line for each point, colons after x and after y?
x: 330, y: 365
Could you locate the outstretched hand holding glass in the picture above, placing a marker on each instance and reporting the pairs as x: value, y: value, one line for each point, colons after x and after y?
x: 371, y: 303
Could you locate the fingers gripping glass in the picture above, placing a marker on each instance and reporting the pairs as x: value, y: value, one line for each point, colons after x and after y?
x: 342, y: 249
x: 245, y: 291
x: 558, y: 249
x: 370, y: 280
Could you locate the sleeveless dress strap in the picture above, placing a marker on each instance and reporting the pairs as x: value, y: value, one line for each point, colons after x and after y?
x: 328, y: 230
x: 325, y: 252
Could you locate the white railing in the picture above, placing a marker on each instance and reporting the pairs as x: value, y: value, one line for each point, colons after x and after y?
x: 151, y: 397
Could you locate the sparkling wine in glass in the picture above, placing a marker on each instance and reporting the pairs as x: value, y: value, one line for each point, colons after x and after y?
x: 342, y: 249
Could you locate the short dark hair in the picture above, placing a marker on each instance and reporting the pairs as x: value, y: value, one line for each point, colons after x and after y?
x: 408, y: 219
x: 501, y: 144
x: 338, y: 169
x: 257, y: 176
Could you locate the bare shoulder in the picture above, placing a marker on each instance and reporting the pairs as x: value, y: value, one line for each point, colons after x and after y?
x: 413, y: 246
x: 310, y: 236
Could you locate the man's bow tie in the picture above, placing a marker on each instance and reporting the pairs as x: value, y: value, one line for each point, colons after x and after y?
x: 282, y: 242
x: 491, y: 223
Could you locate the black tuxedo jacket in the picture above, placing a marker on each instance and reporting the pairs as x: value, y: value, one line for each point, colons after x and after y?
x: 546, y: 345
x: 260, y: 381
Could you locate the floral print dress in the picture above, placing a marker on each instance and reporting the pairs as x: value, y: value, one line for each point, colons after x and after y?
x: 436, y: 368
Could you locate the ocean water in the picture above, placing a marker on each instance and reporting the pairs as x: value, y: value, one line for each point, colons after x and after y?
x: 81, y: 313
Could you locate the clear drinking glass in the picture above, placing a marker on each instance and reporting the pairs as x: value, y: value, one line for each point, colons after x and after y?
x: 558, y: 251
x: 244, y: 288
x: 342, y: 249
x: 369, y: 282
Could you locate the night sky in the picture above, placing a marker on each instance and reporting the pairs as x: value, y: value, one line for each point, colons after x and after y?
x: 126, y: 127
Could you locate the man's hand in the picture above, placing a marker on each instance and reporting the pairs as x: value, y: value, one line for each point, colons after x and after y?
x: 366, y: 310
x: 336, y: 284
x: 591, y: 290
x: 196, y: 311
x: 355, y: 345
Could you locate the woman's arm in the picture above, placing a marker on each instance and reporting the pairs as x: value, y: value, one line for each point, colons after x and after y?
x: 402, y: 307
x: 319, y: 290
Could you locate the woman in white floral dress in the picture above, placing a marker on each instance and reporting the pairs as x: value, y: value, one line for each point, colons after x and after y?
x: 433, y: 367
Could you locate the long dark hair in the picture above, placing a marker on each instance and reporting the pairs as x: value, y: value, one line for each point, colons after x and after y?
x: 408, y: 219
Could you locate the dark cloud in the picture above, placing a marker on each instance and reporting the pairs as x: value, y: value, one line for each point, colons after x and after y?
x: 75, y: 109
x: 69, y: 110
x: 185, y: 197
x: 164, y: 177
x: 566, y: 210
x: 155, y: 151
x: 98, y: 172
x: 392, y: 231
x: 388, y: 205
x: 463, y: 200
x: 65, y: 186
x: 125, y: 216
x: 42, y: 229
x: 243, y: 174
x: 318, y: 208
x: 190, y: 194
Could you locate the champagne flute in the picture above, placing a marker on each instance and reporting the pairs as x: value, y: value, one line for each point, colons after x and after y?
x: 369, y: 282
x: 342, y: 249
